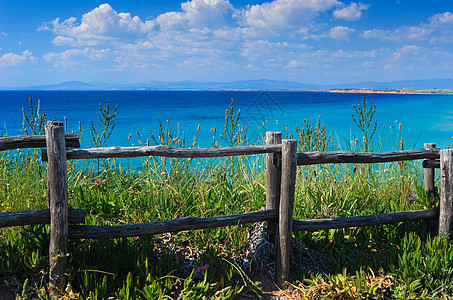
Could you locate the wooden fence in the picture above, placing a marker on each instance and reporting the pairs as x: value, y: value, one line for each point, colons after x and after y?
x: 282, y: 160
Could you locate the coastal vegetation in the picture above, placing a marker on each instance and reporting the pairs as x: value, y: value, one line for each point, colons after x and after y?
x: 399, y: 261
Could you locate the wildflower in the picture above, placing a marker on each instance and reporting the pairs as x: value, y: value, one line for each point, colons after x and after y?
x: 98, y: 182
x: 197, y: 270
x: 414, y: 196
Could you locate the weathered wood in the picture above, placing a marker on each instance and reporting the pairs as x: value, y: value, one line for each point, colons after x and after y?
x: 428, y: 176
x: 288, y: 185
x: 311, y: 158
x: 446, y: 193
x: 176, y: 225
x: 38, y: 216
x: 34, y: 141
x: 370, y: 220
x: 430, y: 163
x: 194, y: 223
x: 273, y: 179
x: 166, y: 151
x: 57, y: 185
x: 304, y: 158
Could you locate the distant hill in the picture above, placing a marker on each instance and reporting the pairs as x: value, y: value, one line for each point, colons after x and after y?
x: 261, y: 84
x: 68, y: 85
x: 435, y: 83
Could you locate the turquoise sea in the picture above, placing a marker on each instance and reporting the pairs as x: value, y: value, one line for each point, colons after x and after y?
x: 423, y: 118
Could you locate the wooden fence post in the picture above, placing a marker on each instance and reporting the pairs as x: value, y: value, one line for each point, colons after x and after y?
x: 288, y: 187
x: 446, y: 193
x: 273, y: 180
x: 57, y: 191
x: 428, y: 176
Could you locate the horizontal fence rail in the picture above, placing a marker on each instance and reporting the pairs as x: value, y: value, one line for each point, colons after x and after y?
x: 195, y: 223
x: 166, y: 151
x: 361, y: 221
x: 158, y: 227
x: 38, y: 216
x: 433, y: 164
x: 312, y: 158
x: 34, y: 141
x: 304, y: 158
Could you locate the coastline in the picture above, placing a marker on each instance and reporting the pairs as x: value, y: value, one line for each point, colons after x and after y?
x: 394, y: 91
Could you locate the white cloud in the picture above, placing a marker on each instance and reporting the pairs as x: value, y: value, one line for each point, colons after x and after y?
x: 297, y: 64
x: 407, y: 51
x: 99, y: 25
x: 408, y: 60
x: 406, y: 33
x: 444, y: 25
x: 200, y: 30
x: 438, y: 29
x: 64, y: 40
x: 12, y: 59
x: 202, y: 27
x: 340, y: 32
x: 285, y: 14
x: 352, y: 12
x: 208, y: 37
x: 262, y: 49
x: 376, y: 34
x: 442, y: 19
x: 77, y: 57
x: 342, y: 54
x: 212, y: 14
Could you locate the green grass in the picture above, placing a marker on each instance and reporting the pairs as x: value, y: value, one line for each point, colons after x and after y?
x: 400, y: 261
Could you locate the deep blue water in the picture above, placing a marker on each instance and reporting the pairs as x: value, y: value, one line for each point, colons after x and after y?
x: 424, y: 118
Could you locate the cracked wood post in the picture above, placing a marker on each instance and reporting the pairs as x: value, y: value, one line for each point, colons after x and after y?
x: 446, y: 193
x: 57, y: 192
x: 273, y: 180
x: 428, y: 176
x: 288, y: 187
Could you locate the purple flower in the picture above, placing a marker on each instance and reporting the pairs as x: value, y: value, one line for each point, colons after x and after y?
x: 197, y: 270
x: 98, y: 182
x: 414, y: 196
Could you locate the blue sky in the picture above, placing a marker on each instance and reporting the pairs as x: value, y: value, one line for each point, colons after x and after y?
x: 309, y: 41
